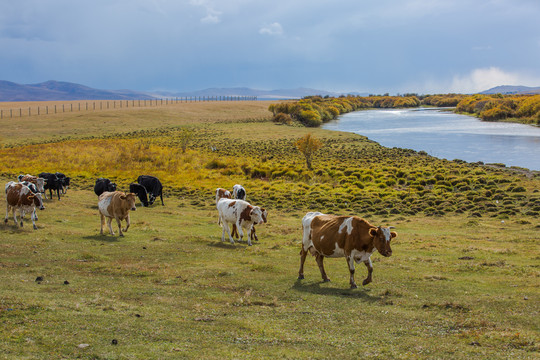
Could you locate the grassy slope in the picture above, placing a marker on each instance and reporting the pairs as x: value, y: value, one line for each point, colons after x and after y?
x: 170, y: 288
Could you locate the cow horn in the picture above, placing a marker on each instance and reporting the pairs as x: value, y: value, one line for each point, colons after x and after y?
x: 391, y: 227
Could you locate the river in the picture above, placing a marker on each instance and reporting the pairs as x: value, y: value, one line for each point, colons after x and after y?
x: 446, y: 135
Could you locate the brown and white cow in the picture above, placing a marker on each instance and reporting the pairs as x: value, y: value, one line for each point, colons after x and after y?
x: 343, y: 236
x: 252, y: 235
x: 240, y: 213
x: 20, y: 197
x: 116, y: 205
x: 222, y: 194
x: 39, y: 182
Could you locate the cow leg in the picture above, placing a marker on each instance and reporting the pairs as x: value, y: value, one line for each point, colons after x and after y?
x: 109, y: 224
x: 249, y: 235
x: 240, y: 230
x: 161, y: 197
x: 226, y: 228
x: 58, y: 193
x: 253, y: 234
x: 369, y: 266
x: 102, y: 223
x: 350, y: 263
x: 33, y: 217
x: 119, y: 222
x: 320, y: 259
x: 127, y: 223
x: 303, y: 255
x: 234, y: 231
x: 7, y: 214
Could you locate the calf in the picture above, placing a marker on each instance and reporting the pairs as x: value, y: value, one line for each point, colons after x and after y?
x: 240, y: 213
x: 252, y: 235
x: 52, y: 183
x: 20, y: 197
x: 102, y: 185
x: 116, y: 205
x: 343, y: 236
x: 222, y: 194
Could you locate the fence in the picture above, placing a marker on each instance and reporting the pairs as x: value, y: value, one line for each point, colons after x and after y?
x: 111, y: 104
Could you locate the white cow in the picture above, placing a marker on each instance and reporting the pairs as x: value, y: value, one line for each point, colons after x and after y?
x: 239, y: 213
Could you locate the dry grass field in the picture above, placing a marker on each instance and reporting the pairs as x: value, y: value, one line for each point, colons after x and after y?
x: 462, y: 283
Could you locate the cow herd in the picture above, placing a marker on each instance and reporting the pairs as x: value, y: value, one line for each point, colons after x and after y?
x: 323, y: 235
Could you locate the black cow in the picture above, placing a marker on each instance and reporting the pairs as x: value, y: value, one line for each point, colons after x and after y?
x: 102, y: 185
x: 65, y: 181
x: 52, y: 182
x: 140, y: 191
x: 153, y: 188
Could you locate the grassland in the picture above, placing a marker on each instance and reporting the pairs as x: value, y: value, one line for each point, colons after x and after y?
x: 462, y: 282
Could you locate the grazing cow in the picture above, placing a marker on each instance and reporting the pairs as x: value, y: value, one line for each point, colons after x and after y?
x: 140, y: 191
x: 39, y: 182
x: 102, y: 185
x: 52, y: 183
x: 153, y: 187
x: 64, y: 180
x: 20, y: 197
x: 239, y: 192
x: 116, y: 205
x: 343, y: 236
x: 240, y: 213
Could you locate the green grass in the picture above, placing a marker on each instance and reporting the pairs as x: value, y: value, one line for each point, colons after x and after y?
x: 457, y: 286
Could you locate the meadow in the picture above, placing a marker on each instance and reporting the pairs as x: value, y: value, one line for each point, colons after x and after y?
x: 462, y: 281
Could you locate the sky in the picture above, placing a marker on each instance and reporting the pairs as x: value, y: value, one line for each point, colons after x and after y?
x: 374, y: 46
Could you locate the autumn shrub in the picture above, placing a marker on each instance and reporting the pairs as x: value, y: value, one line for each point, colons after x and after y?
x: 282, y: 118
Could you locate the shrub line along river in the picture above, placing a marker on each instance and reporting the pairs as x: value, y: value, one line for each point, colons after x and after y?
x: 447, y: 135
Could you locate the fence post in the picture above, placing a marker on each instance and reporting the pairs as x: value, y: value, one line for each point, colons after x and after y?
x: 29, y: 111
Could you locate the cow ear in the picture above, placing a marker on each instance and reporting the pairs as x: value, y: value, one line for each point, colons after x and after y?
x: 123, y: 197
x: 393, y: 234
x: 373, y: 232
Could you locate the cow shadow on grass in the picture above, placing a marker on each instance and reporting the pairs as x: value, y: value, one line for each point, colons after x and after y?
x: 103, y: 238
x: 224, y: 245
x: 322, y: 288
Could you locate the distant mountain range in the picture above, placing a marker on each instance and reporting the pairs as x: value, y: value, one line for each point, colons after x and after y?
x: 58, y: 90
x: 510, y: 89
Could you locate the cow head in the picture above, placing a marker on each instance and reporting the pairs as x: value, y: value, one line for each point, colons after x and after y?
x: 140, y: 191
x: 256, y: 215
x: 264, y: 214
x: 38, y: 201
x: 130, y: 199
x: 381, y: 239
x: 111, y: 187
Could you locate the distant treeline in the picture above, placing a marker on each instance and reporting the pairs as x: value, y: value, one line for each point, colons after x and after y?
x: 313, y: 111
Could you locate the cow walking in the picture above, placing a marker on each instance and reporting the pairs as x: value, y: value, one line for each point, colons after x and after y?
x: 116, y: 205
x: 20, y: 198
x: 343, y: 236
x: 52, y: 182
x: 240, y: 213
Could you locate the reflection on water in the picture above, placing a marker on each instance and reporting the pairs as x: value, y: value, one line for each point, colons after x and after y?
x: 447, y: 135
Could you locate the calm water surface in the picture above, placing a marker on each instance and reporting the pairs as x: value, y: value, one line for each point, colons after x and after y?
x: 447, y: 135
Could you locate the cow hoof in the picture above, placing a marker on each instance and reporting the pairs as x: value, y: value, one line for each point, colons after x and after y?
x: 35, y: 227
x: 354, y: 286
x: 326, y: 280
x: 300, y: 277
x: 365, y: 282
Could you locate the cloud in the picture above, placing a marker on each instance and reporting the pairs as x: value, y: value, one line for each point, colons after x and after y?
x: 487, y: 78
x: 273, y: 29
x: 212, y: 15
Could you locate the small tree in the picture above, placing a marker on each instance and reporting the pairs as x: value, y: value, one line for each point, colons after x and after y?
x: 308, y: 146
x: 184, y: 136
